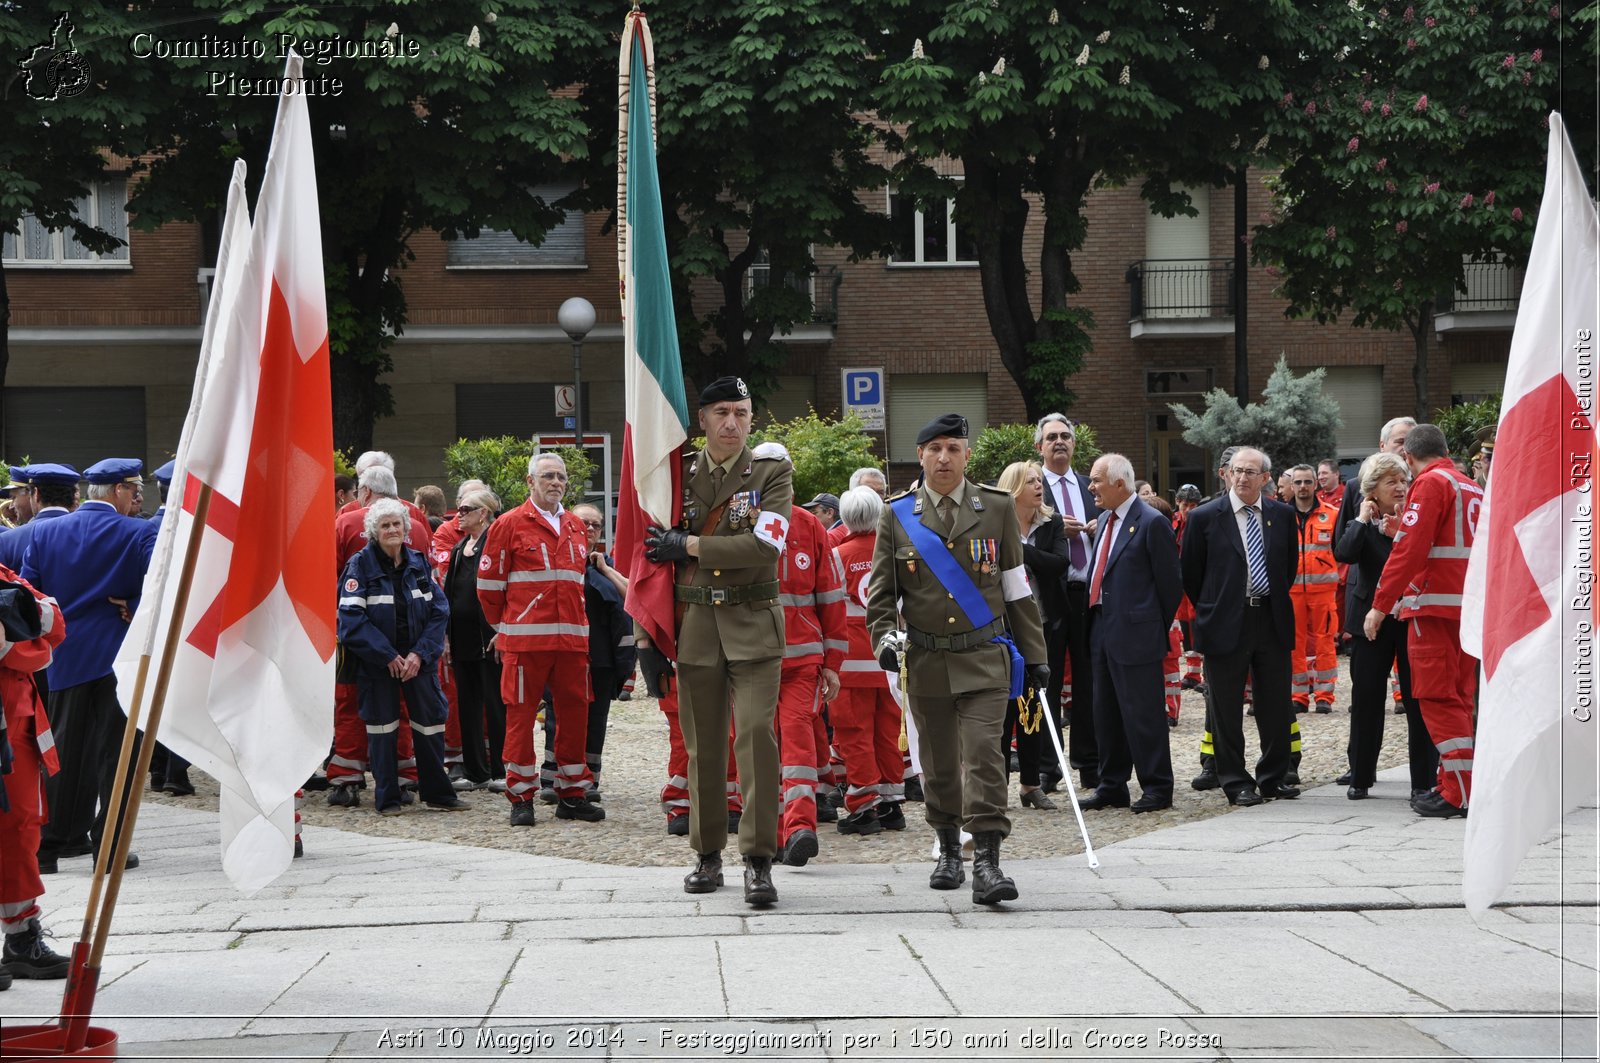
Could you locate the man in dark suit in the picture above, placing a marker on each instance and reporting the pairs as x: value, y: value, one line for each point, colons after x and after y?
x: 1239, y: 560
x: 1134, y: 589
x: 1067, y: 493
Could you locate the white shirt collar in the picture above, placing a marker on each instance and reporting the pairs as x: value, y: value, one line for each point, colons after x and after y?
x: 1238, y: 503
x: 552, y: 519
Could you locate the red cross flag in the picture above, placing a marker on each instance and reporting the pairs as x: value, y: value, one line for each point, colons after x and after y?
x: 251, y: 696
x: 1528, y: 611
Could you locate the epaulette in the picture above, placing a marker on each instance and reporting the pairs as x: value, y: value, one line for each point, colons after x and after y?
x: 991, y: 489
x: 902, y: 494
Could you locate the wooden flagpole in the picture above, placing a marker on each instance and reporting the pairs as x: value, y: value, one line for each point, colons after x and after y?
x: 84, y: 978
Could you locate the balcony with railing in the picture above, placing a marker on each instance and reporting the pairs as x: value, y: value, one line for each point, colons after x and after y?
x: 821, y: 288
x: 1488, y: 302
x: 1180, y: 297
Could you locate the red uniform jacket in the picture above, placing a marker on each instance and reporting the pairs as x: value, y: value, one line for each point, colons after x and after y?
x: 1427, y: 569
x: 812, y: 596
x: 861, y: 668
x: 530, y: 582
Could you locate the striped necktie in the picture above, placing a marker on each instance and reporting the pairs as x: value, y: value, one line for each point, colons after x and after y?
x: 1255, y: 555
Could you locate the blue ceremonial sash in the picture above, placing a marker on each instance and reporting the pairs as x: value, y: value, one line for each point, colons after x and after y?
x: 948, y: 571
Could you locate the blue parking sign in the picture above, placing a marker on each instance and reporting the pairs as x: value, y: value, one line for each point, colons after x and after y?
x: 863, y: 396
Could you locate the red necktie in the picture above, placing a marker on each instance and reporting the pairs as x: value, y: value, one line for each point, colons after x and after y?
x: 1100, y: 559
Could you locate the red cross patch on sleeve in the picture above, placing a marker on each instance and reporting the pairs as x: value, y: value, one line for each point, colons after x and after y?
x: 352, y: 585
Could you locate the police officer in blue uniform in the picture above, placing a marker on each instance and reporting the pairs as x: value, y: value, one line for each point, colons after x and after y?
x: 53, y: 492
x: 92, y: 561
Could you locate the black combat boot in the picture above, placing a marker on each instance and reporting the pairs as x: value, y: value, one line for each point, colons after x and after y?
x: 706, y: 876
x: 989, y: 885
x: 758, y: 888
x: 948, y: 873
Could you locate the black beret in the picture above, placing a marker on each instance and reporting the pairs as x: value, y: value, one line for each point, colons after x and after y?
x: 951, y: 424
x: 724, y: 389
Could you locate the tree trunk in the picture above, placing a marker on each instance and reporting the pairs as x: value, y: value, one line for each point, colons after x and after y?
x: 356, y: 402
x: 1420, y: 327
x: 997, y: 214
x: 5, y: 349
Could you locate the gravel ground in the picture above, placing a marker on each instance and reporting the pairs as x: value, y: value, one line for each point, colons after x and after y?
x: 634, y: 833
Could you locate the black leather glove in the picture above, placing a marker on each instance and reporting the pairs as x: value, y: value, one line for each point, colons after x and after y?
x: 890, y: 649
x: 656, y: 669
x: 666, y: 544
x: 1039, y: 679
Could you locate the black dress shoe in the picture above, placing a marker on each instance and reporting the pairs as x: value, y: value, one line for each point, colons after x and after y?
x: 450, y: 804
x: 1347, y: 779
x: 1357, y: 793
x: 177, y: 783
x: 49, y: 865
x: 1433, y: 805
x: 758, y: 888
x: 1291, y: 778
x: 1151, y: 803
x: 1103, y: 799
x: 826, y: 813
x: 1281, y: 793
x: 1206, y: 780
x: 1245, y: 798
x: 706, y: 876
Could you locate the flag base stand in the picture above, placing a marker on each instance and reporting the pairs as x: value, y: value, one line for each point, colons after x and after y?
x: 24, y: 1043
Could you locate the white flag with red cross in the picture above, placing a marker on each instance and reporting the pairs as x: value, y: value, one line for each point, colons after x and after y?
x: 251, y: 697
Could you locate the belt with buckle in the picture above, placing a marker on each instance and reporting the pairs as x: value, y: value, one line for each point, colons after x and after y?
x: 1256, y: 601
x: 963, y: 641
x: 754, y: 592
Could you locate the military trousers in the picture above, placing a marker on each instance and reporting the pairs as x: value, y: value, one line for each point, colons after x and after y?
x: 963, y: 769
x: 705, y: 694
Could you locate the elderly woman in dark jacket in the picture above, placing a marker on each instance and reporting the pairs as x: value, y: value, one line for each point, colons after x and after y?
x: 1046, y: 553
x: 477, y: 671
x: 392, y: 618
x: 1365, y: 546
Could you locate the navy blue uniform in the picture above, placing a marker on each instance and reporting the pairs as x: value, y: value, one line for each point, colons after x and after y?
x: 83, y: 559
x: 14, y: 542
x: 387, y: 611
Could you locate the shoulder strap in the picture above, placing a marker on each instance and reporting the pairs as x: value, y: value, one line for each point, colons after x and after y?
x: 945, y: 568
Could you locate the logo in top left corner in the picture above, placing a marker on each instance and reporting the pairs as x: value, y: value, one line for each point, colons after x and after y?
x: 56, y: 70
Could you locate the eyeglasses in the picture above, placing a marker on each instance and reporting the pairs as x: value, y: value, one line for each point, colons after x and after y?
x: 595, y: 523
x: 561, y: 476
x: 1237, y: 471
x: 468, y: 509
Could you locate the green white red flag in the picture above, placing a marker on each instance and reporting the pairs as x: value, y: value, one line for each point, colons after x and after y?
x: 656, y: 411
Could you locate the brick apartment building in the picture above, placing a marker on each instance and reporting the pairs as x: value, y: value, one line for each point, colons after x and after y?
x: 103, y: 349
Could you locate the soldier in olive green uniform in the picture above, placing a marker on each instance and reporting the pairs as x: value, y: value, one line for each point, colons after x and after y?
x: 958, y: 676
x: 730, y: 639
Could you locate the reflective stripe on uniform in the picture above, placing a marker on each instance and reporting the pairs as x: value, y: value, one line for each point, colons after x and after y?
x: 546, y: 575
x: 1415, y: 601
x: 358, y: 603
x: 346, y: 762
x: 802, y: 649
x: 797, y: 599
x: 543, y: 629
x: 1450, y: 745
x: 860, y: 666
x: 426, y: 596
x: 427, y: 729
x: 491, y: 584
x: 799, y: 793
x: 799, y: 771
x: 1319, y: 577
x: 382, y: 728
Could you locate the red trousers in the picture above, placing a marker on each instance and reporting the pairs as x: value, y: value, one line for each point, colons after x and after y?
x: 866, y: 729
x: 1316, y: 664
x: 523, y: 679
x: 349, y: 761
x: 675, y: 794
x: 452, y: 722
x: 1173, y: 671
x: 799, y: 696
x: 1444, y: 678
x: 20, y: 885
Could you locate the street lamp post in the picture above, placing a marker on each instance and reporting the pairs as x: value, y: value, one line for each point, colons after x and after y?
x: 576, y: 318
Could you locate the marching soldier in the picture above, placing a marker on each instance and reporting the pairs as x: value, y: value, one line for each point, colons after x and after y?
x: 730, y: 634
x: 949, y: 552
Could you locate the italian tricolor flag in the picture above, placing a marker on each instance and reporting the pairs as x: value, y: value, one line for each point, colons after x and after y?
x: 657, y: 414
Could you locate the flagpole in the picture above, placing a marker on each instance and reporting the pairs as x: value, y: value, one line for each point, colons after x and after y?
x: 84, y: 979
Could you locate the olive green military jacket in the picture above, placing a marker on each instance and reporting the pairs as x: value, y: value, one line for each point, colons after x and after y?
x: 986, y: 515
x: 741, y: 550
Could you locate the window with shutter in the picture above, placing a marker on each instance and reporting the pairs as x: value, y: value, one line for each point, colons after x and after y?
x: 916, y: 399
x: 78, y: 426
x: 563, y: 246
x: 1358, y: 389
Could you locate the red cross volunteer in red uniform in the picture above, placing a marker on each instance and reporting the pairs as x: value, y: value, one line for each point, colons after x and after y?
x: 1422, y: 584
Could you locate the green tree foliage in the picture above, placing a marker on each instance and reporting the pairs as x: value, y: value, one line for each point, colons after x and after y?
x: 1039, y: 100
x: 1462, y: 423
x: 762, y: 156
x: 450, y: 138
x: 1418, y: 146
x: 54, y: 132
x: 824, y: 451
x: 1293, y: 423
x: 501, y: 462
x: 999, y: 445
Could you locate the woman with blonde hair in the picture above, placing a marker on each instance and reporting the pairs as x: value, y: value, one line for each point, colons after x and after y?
x: 1365, y: 546
x: 1046, y: 553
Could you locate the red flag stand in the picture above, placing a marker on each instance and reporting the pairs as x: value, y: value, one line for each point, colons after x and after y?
x: 72, y: 1037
